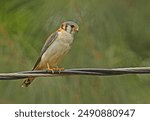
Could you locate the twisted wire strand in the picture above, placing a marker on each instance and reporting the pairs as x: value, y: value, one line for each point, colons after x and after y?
x: 76, y: 71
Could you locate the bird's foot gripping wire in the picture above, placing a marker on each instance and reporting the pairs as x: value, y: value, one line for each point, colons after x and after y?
x: 53, y: 69
x: 59, y: 69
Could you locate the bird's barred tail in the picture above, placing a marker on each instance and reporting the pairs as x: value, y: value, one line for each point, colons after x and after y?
x: 27, y: 82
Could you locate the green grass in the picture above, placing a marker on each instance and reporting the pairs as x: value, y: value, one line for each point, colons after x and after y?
x: 113, y: 33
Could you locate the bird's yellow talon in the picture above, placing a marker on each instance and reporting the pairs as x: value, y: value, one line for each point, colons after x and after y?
x: 50, y: 69
x: 60, y: 70
x: 54, y: 69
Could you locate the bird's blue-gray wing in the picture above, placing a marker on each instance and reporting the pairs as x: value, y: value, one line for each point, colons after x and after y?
x: 48, y: 42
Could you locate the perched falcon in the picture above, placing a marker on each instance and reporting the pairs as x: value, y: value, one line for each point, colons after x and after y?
x: 55, y: 48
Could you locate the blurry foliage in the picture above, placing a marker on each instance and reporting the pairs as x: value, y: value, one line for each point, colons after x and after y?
x: 113, y: 33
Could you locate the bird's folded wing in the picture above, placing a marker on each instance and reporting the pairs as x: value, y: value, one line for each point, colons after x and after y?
x: 48, y: 42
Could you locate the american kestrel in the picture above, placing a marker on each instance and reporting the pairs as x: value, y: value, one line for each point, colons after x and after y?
x: 55, y: 48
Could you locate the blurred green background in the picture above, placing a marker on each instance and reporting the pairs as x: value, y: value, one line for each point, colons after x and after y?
x: 113, y: 33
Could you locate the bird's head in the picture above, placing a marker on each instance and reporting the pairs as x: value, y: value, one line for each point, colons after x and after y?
x: 70, y: 27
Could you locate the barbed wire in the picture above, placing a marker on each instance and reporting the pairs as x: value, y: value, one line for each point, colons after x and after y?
x: 77, y: 71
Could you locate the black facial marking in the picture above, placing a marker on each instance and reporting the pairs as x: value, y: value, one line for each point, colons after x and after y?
x: 66, y: 27
x: 62, y: 26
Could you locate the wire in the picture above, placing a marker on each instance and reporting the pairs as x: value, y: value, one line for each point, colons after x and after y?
x: 77, y: 71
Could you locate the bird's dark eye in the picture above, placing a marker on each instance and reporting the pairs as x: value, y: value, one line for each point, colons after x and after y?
x: 72, y: 26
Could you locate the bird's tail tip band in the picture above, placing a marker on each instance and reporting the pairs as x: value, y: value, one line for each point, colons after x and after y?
x: 27, y: 82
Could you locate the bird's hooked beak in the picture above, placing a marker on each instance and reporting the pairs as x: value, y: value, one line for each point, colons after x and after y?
x: 76, y: 29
